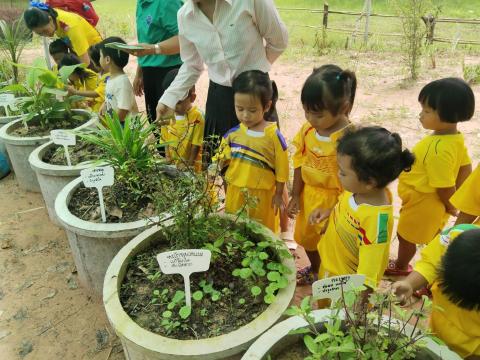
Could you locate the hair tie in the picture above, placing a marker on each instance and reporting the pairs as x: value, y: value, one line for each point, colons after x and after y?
x: 39, y: 5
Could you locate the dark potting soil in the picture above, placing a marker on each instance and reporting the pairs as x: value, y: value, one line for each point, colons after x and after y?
x: 80, y: 153
x: 34, y: 128
x: 208, y: 318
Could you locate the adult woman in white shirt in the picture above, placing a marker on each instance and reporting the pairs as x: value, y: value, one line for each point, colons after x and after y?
x: 230, y: 37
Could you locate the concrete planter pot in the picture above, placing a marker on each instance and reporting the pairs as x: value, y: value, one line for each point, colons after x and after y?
x: 276, y: 340
x: 52, y: 178
x: 4, y: 120
x: 93, y: 245
x: 141, y: 344
x: 20, y: 148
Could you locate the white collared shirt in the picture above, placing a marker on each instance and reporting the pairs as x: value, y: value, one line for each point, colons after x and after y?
x: 232, y: 44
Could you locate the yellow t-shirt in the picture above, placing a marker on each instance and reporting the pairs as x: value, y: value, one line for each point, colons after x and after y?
x: 357, y: 240
x: 467, y: 197
x: 256, y: 159
x: 89, y: 83
x: 187, y: 131
x: 81, y: 34
x: 317, y: 156
x: 459, y: 328
x: 438, y: 159
x: 100, y: 90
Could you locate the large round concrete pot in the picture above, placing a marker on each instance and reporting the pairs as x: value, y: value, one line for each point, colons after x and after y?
x: 4, y: 120
x: 277, y: 339
x: 141, y: 344
x: 52, y: 178
x: 93, y: 245
x: 20, y: 148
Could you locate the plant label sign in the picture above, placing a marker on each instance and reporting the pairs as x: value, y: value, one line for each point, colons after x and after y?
x: 98, y: 178
x: 331, y: 288
x: 64, y: 138
x: 185, y: 263
x: 6, y: 101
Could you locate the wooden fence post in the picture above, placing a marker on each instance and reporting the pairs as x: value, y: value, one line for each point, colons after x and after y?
x: 368, y: 7
x: 429, y: 21
x: 325, y: 15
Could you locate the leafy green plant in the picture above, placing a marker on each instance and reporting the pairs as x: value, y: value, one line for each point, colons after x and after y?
x: 13, y: 38
x: 42, y: 97
x: 361, y: 332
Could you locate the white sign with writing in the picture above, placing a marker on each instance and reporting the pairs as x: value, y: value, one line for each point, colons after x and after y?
x: 64, y: 138
x: 331, y: 288
x: 98, y: 178
x: 185, y: 262
x: 6, y: 101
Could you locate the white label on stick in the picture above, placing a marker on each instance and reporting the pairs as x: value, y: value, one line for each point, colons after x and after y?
x: 331, y: 288
x: 98, y: 178
x: 62, y: 137
x: 185, y: 262
x: 6, y: 99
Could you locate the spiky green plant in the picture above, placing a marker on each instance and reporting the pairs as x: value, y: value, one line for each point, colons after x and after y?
x: 13, y: 38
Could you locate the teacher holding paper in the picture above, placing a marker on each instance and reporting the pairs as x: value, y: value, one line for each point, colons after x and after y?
x: 228, y: 36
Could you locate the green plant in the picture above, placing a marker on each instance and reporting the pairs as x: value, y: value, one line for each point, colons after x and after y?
x: 414, y: 30
x: 13, y: 38
x: 42, y: 96
x: 362, y: 332
x: 471, y: 73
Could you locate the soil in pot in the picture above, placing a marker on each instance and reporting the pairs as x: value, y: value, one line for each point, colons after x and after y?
x: 221, y: 302
x: 122, y: 204
x: 35, y: 129
x: 80, y: 153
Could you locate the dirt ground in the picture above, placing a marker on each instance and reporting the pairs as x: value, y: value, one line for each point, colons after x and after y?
x: 44, y: 314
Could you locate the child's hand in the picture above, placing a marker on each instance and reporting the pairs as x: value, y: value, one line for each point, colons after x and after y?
x: 277, y: 203
x: 318, y: 215
x: 403, y: 290
x: 452, y: 211
x: 293, y: 207
x: 70, y: 90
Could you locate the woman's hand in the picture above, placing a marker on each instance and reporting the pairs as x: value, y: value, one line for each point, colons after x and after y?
x: 138, y: 84
x: 163, y: 111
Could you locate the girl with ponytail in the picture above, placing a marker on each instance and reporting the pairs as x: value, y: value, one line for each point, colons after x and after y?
x: 358, y: 234
x: 327, y: 98
x: 255, y: 151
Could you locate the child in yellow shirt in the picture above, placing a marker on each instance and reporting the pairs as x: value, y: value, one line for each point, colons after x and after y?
x: 327, y: 98
x: 467, y: 199
x: 57, y: 50
x: 255, y: 151
x: 450, y: 263
x: 186, y: 134
x: 83, y: 81
x: 357, y: 238
x: 442, y: 164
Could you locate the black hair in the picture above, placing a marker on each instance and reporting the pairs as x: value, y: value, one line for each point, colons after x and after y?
x: 452, y: 98
x: 459, y: 272
x: 94, y: 54
x: 329, y: 87
x: 58, y: 46
x: 376, y: 154
x: 258, y: 83
x: 35, y: 17
x: 72, y: 59
x: 119, y: 58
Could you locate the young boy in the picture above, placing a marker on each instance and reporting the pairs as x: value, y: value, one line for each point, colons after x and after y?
x: 187, y: 131
x: 442, y: 164
x: 58, y: 49
x: 450, y: 263
x: 119, y: 96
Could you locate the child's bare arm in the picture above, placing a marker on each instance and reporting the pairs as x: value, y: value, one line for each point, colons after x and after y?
x: 463, y: 174
x: 193, y: 154
x: 89, y: 94
x: 277, y: 200
x: 294, y: 203
x: 445, y: 194
x: 464, y: 218
x: 404, y: 289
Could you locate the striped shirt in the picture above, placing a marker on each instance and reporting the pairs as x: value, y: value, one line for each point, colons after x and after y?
x: 230, y: 45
